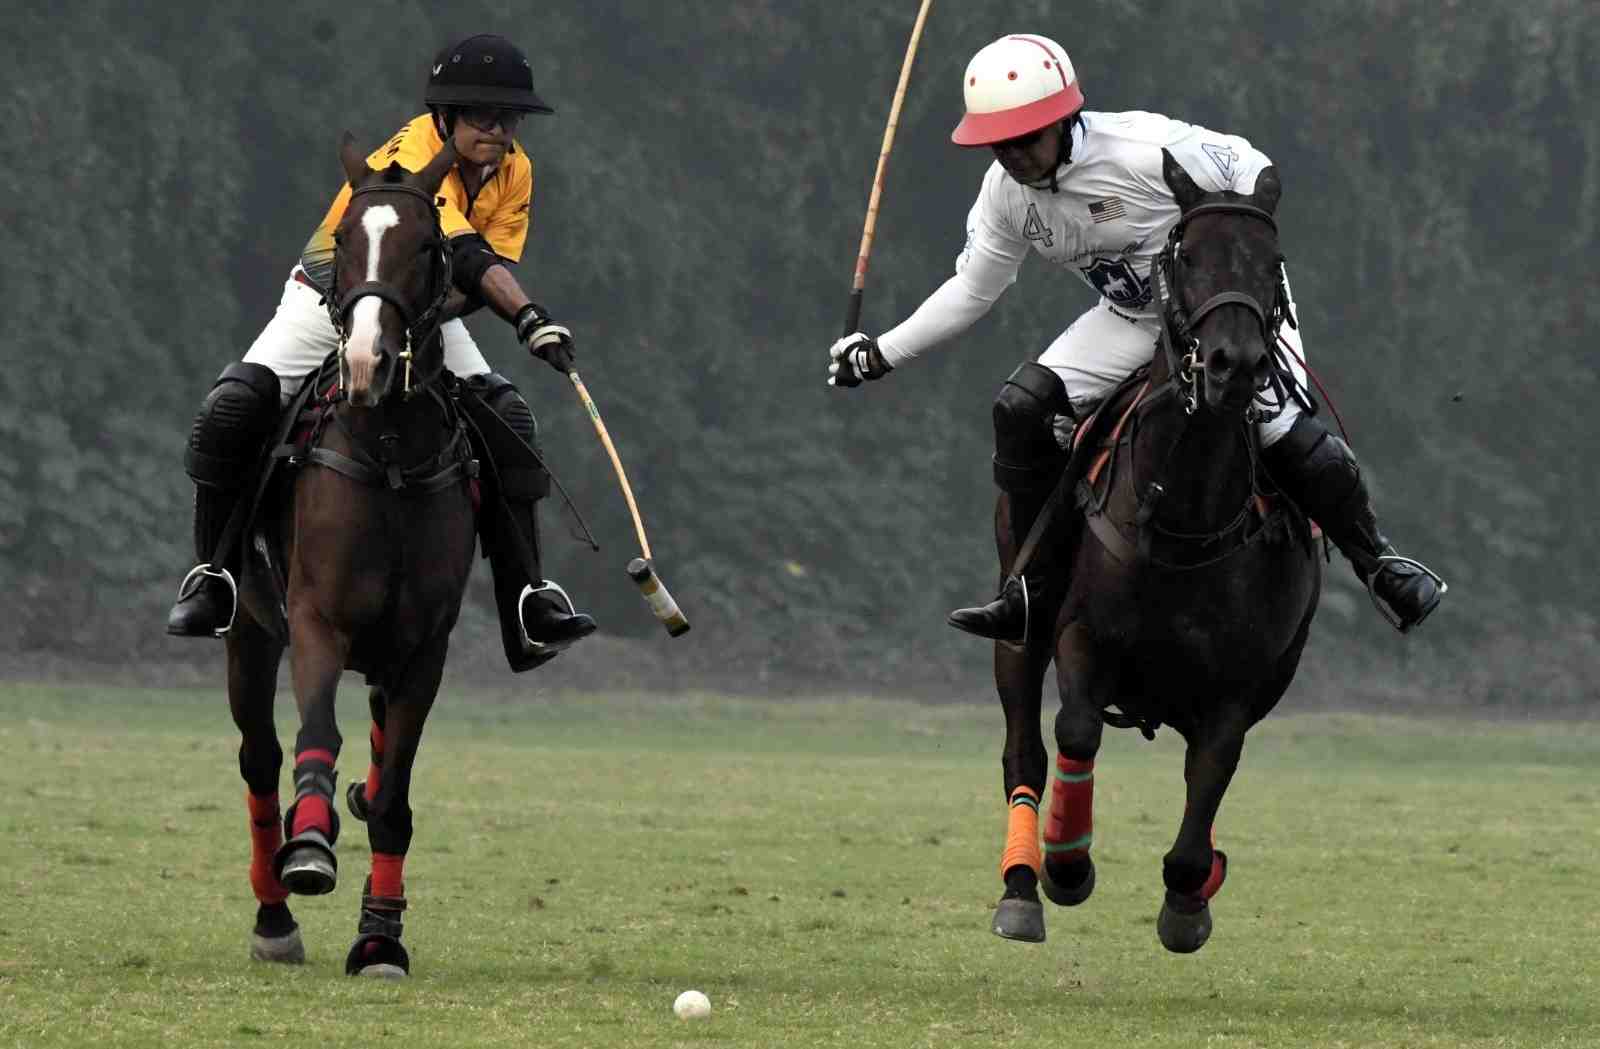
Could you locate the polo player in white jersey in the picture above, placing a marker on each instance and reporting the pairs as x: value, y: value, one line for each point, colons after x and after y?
x: 1085, y: 190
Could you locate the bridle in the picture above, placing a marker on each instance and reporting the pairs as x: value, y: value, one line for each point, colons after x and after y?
x: 1178, y: 339
x: 422, y: 327
x: 1185, y: 375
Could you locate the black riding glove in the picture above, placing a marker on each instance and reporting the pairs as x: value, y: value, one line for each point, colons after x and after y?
x: 545, y: 339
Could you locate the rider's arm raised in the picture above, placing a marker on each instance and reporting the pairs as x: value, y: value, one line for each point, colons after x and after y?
x: 986, y: 267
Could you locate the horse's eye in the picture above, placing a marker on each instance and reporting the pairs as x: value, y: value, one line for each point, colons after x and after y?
x: 1184, y: 257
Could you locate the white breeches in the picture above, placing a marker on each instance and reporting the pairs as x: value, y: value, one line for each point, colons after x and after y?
x: 1103, y: 347
x: 300, y: 336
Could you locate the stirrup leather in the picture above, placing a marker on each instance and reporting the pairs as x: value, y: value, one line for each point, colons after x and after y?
x: 191, y: 583
x: 1383, y: 609
x: 547, y: 586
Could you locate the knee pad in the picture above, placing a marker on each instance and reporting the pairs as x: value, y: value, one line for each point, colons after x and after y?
x: 506, y: 401
x: 1313, y: 452
x: 234, y: 420
x: 1027, y: 457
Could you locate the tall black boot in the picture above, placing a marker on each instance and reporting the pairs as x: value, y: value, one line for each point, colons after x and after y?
x: 224, y: 451
x: 537, y: 618
x: 206, y: 600
x: 1316, y: 469
x: 1028, y: 462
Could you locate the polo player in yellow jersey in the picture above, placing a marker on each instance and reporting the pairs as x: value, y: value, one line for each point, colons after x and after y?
x: 478, y: 92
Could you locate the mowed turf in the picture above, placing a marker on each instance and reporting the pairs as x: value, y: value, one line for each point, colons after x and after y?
x: 824, y: 870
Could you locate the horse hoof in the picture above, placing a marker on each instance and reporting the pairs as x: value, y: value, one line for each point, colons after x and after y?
x: 379, y: 956
x: 1182, y: 928
x: 355, y: 799
x: 1066, y: 895
x: 1016, y: 919
x: 309, y: 870
x: 288, y: 949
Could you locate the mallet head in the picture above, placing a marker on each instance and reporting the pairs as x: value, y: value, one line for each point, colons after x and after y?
x: 655, y: 592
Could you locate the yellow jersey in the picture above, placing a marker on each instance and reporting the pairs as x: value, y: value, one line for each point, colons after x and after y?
x: 499, y: 211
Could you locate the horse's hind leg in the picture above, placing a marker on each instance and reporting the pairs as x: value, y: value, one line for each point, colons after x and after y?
x: 377, y: 950
x: 358, y: 795
x: 1194, y: 870
x: 253, y: 657
x: 1068, y: 871
x: 306, y: 863
x: 1019, y: 678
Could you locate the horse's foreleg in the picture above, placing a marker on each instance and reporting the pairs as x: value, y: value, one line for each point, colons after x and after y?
x: 253, y: 657
x: 377, y: 950
x: 1068, y: 871
x: 1194, y: 870
x: 306, y: 863
x: 1019, y: 679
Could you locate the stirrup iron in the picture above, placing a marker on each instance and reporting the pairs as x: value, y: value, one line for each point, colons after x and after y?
x: 203, y: 571
x: 543, y: 647
x: 1383, y: 609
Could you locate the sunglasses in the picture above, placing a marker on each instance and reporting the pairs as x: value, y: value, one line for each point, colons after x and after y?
x: 1020, y: 142
x: 490, y: 119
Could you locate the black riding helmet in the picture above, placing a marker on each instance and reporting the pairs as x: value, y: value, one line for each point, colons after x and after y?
x: 483, y: 71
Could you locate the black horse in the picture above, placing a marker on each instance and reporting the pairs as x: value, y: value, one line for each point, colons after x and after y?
x: 1189, y: 602
x: 375, y: 537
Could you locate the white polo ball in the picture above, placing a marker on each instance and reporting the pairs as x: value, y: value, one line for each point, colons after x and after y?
x: 692, y: 1005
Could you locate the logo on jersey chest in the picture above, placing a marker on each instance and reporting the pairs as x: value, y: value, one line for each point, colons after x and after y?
x: 1033, y: 228
x: 1117, y: 280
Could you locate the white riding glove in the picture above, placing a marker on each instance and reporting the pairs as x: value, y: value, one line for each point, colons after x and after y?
x: 854, y: 359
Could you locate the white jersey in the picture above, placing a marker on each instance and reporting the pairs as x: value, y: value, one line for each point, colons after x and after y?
x: 1106, y: 223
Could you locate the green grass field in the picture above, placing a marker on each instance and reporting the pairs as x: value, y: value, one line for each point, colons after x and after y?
x: 824, y: 870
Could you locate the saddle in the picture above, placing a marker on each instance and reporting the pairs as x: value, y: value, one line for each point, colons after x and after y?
x: 1091, y: 473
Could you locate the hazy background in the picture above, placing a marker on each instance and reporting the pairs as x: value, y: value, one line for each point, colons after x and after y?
x: 698, y: 203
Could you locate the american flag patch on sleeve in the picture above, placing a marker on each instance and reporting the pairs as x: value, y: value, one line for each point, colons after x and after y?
x: 1106, y: 210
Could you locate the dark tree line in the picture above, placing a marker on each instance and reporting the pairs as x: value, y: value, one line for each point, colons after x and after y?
x: 697, y: 205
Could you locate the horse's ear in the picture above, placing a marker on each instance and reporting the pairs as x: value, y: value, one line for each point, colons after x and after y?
x: 1184, y: 188
x: 355, y: 165
x: 1269, y: 190
x: 430, y: 178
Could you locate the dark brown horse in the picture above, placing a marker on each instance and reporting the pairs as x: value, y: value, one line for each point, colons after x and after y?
x: 376, y: 536
x: 1185, y: 604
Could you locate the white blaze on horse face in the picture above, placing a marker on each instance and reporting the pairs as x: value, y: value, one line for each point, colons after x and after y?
x: 361, y: 346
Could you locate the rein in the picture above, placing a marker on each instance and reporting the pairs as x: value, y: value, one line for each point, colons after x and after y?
x: 1185, y: 373
x: 420, y: 328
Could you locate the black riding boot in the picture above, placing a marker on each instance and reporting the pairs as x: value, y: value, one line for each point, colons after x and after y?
x: 1317, y: 470
x: 537, y: 618
x: 224, y: 449
x: 1027, y: 466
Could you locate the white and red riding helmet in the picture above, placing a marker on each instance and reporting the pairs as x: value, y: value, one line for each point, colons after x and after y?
x: 1015, y: 86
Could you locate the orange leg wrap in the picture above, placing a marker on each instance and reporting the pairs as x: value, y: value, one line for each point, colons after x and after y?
x: 1069, y: 829
x: 1022, y: 832
x: 266, y: 834
x: 388, y: 874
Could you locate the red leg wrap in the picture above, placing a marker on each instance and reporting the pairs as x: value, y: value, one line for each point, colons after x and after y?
x: 266, y: 834
x: 388, y: 875
x: 375, y: 769
x: 311, y: 813
x: 1069, y: 827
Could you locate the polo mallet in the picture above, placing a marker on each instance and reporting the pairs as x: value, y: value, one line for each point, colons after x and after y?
x: 853, y: 315
x: 639, y: 569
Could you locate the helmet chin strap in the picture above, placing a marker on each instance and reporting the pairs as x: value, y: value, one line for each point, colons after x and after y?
x: 1052, y: 182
